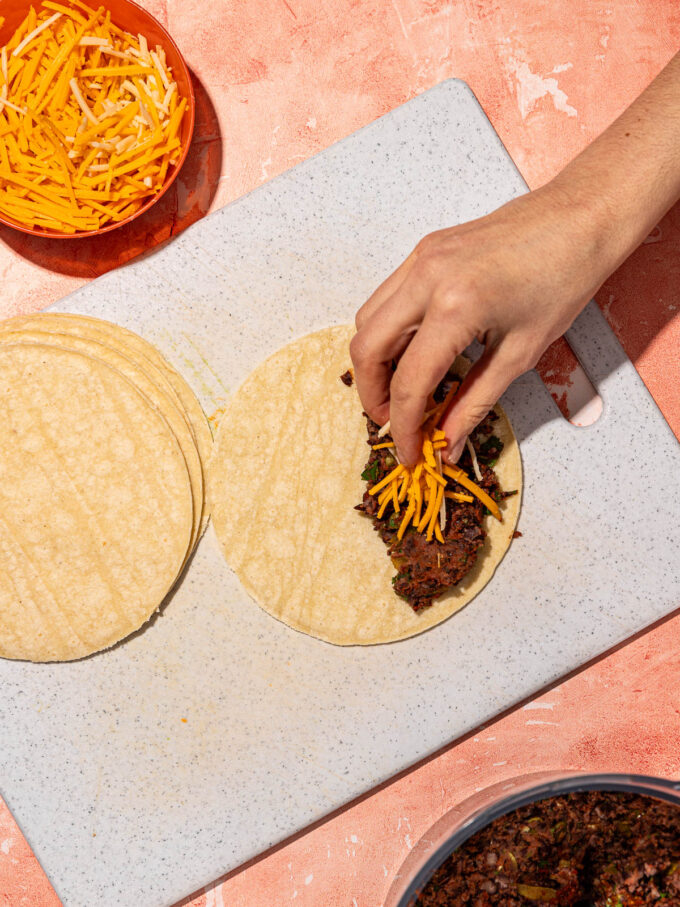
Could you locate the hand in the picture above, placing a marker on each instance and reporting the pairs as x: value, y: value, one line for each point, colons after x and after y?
x: 514, y: 280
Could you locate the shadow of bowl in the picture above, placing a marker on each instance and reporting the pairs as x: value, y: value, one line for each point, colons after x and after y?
x: 186, y: 201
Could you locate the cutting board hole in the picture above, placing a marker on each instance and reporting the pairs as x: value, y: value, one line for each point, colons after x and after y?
x: 568, y: 385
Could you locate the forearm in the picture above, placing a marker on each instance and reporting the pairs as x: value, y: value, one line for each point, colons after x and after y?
x: 628, y: 178
x: 517, y: 278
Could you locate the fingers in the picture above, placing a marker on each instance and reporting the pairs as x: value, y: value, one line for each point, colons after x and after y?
x: 424, y: 363
x: 381, y: 339
x: 386, y: 289
x: 373, y: 371
x: 486, y: 381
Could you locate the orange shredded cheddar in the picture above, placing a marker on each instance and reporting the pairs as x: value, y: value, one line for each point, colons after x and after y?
x: 385, y: 494
x: 417, y: 492
x: 90, y: 119
x: 428, y: 453
x: 116, y: 71
x: 437, y: 476
x: 459, y: 476
x: 395, y: 498
x: 432, y: 499
x: 388, y: 478
x: 383, y: 506
x: 425, y: 488
x: 457, y: 496
x: 410, y: 510
x: 434, y: 519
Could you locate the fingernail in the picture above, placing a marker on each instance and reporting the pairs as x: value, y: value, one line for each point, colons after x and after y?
x: 453, y: 456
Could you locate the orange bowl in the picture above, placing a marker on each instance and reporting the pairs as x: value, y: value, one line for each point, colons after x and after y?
x: 132, y: 18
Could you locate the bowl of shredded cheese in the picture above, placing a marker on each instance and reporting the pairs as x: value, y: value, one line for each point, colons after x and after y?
x: 96, y: 115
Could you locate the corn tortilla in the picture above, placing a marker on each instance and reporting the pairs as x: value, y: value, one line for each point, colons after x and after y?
x: 283, y: 481
x: 173, y: 415
x: 140, y: 351
x: 95, y: 505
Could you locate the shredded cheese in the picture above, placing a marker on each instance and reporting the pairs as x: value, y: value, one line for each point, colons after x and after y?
x: 425, y: 488
x: 90, y: 120
x: 34, y: 34
x: 5, y: 103
x: 459, y: 476
x: 457, y: 496
x: 475, y: 461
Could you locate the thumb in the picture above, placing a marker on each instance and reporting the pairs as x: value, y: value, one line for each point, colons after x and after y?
x: 488, y: 378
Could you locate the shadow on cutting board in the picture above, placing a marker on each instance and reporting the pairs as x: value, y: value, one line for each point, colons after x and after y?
x: 188, y: 199
x: 639, y: 302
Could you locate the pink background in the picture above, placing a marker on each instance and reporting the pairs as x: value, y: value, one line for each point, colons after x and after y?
x: 277, y: 82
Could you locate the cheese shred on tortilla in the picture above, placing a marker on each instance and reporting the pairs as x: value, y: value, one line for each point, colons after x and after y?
x: 426, y: 482
x: 299, y: 547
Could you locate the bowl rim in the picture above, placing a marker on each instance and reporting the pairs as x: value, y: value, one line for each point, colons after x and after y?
x: 170, y: 179
x: 476, y: 812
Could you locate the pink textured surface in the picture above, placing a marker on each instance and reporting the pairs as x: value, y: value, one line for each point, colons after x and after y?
x: 277, y: 82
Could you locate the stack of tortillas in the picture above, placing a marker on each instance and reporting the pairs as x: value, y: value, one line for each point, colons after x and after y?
x: 102, y: 446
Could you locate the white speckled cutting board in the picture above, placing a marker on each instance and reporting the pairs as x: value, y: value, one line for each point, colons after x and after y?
x: 140, y: 774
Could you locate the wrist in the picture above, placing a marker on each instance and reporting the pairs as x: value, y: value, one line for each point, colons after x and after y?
x: 597, y: 219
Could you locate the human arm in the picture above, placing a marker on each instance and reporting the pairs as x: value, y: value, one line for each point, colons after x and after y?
x: 517, y: 278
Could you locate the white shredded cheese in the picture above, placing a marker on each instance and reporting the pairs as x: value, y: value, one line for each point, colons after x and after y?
x: 5, y: 103
x: 125, y: 144
x: 475, y: 463
x: 121, y: 55
x: 93, y: 41
x: 169, y: 93
x: 145, y: 114
x: 127, y: 85
x: 442, y: 508
x: 82, y: 103
x: 111, y: 107
x: 31, y: 35
x: 161, y: 69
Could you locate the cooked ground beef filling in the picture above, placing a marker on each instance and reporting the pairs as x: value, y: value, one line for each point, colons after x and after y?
x: 425, y: 570
x: 593, y: 849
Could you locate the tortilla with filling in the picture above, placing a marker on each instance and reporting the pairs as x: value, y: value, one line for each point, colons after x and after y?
x: 283, y: 481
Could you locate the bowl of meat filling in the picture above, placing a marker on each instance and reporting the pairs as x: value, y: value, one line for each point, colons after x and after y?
x: 571, y: 840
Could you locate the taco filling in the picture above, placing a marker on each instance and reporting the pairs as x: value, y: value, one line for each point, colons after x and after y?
x: 288, y: 527
x: 431, y: 518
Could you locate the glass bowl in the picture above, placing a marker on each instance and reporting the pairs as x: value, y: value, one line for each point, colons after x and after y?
x: 479, y: 810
